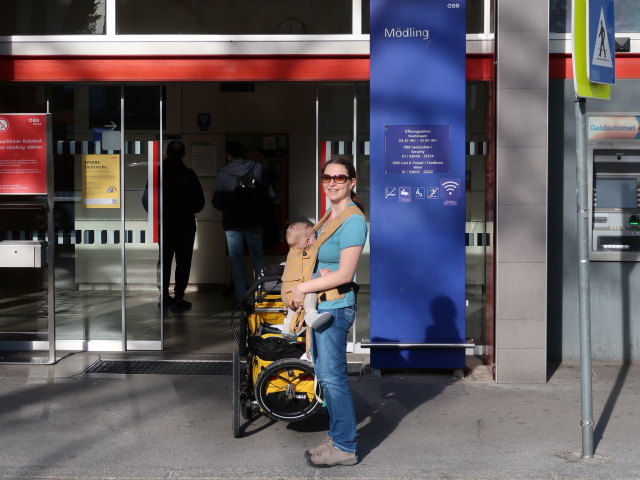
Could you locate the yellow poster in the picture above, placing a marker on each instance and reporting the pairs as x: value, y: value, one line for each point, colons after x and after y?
x: 101, y: 181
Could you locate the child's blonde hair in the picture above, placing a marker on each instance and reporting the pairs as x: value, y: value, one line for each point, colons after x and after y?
x: 297, y: 231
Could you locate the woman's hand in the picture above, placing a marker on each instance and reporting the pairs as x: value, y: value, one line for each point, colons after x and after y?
x: 328, y: 279
x: 296, y: 296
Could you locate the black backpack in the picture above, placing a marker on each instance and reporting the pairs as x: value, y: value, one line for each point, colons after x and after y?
x: 275, y: 348
x: 247, y: 202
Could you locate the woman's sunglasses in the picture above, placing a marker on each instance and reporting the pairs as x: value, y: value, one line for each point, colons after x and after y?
x: 336, y: 178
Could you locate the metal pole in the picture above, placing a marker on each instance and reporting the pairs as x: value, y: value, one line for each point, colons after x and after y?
x: 123, y: 232
x: 51, y: 246
x: 583, y: 278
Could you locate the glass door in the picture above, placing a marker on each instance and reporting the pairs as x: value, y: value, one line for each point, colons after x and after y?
x: 143, y: 312
x: 106, y: 141
x: 343, y: 131
x: 106, y: 147
x: 23, y: 224
x: 88, y: 215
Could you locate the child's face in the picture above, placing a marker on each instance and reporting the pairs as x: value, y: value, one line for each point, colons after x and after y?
x: 310, y: 238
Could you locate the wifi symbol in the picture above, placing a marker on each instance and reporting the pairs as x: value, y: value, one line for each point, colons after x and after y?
x: 450, y: 186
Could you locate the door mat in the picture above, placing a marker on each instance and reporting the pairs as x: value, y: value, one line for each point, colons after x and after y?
x: 160, y: 367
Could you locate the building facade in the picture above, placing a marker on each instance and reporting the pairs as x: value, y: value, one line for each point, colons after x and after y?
x: 290, y: 79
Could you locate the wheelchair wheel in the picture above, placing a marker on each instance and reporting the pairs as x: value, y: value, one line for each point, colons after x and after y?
x: 246, y: 397
x: 235, y: 373
x: 285, y: 390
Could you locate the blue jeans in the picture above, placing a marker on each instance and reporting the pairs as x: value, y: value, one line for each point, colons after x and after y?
x: 329, y: 349
x: 235, y: 244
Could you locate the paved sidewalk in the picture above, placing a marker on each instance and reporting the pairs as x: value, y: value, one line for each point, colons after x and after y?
x: 58, y: 423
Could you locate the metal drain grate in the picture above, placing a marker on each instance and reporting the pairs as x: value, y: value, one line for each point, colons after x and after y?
x: 160, y: 367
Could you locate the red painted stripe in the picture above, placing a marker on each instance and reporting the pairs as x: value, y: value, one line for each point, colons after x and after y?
x: 156, y: 190
x: 480, y: 68
x: 560, y: 66
x: 166, y: 69
x: 627, y: 66
x: 323, y: 160
x: 203, y: 68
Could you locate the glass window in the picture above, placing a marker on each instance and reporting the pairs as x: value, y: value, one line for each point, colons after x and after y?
x: 142, y: 262
x: 90, y: 265
x: 560, y: 16
x: 627, y: 16
x: 336, y: 114
x: 141, y: 105
x: 17, y: 98
x: 478, y: 228
x: 366, y: 17
x: 52, y: 17
x: 228, y: 17
x: 475, y: 17
x: 362, y: 147
x: 23, y: 291
x: 88, y: 268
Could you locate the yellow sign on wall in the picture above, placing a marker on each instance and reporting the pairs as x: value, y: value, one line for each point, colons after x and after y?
x: 101, y: 181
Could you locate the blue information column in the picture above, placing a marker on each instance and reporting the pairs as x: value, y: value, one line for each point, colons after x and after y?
x: 417, y: 182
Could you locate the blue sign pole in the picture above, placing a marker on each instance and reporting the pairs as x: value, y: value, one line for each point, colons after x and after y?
x: 418, y: 85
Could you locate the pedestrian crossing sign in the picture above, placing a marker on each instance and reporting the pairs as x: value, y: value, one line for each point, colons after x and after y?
x: 601, y: 41
x: 583, y: 51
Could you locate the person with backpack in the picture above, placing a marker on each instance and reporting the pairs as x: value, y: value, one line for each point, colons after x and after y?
x: 182, y: 198
x: 242, y: 193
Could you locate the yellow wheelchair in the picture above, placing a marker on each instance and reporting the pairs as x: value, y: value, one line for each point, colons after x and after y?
x: 269, y: 375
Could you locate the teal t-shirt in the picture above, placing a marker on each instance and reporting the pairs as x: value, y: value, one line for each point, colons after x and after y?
x: 352, y: 232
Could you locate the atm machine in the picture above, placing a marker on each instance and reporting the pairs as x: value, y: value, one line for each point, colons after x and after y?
x: 613, y: 149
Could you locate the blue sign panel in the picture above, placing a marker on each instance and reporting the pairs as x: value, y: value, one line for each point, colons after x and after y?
x: 422, y: 149
x: 601, y: 41
x: 417, y: 181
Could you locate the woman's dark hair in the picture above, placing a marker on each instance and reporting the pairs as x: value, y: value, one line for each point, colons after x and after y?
x: 351, y: 171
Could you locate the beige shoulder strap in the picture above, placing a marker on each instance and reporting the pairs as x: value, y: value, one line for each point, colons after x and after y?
x: 328, y: 230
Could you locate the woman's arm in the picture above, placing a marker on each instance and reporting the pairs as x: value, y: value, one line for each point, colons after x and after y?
x: 349, y: 258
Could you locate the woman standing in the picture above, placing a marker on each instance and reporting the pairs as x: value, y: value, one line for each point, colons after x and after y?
x: 340, y: 254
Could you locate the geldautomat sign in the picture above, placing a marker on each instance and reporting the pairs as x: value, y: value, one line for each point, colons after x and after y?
x: 417, y: 183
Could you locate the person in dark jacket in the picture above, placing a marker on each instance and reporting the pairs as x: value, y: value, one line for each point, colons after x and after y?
x: 240, y: 226
x: 182, y: 198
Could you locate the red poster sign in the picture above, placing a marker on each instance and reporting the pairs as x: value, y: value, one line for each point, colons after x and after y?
x: 23, y: 154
